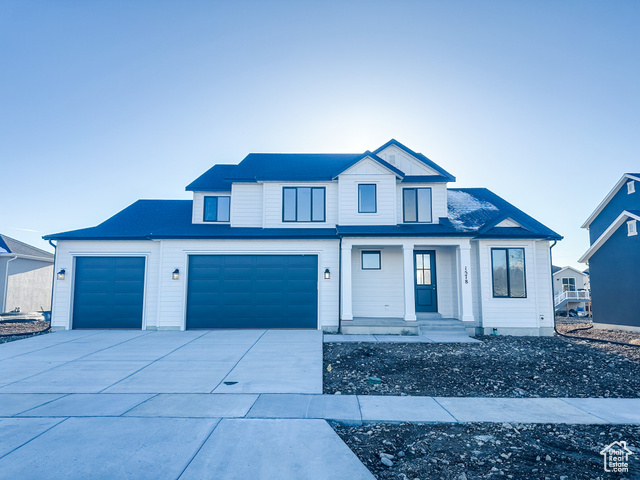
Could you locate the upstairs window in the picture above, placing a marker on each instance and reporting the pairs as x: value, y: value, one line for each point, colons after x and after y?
x: 303, y: 204
x: 216, y: 209
x: 417, y: 205
x: 569, y: 284
x: 508, y: 273
x: 631, y: 186
x: 631, y: 228
x: 367, y: 198
x: 371, y: 260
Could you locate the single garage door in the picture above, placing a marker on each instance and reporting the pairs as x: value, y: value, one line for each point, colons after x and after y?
x: 252, y: 291
x: 108, y: 292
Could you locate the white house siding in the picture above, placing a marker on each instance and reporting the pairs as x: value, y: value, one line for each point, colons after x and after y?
x: 165, y: 298
x: 405, y: 162
x: 581, y: 279
x: 272, y: 202
x: 438, y: 199
x: 446, y: 281
x: 476, y: 286
x: 378, y: 293
x: 386, y: 199
x: 67, y: 250
x: 246, y: 205
x: 198, y: 204
x: 518, y: 315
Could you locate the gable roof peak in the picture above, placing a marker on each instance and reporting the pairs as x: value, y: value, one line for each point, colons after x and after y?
x: 418, y: 156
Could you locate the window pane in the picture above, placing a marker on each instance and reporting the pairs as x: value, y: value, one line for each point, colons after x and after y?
x: 370, y: 260
x: 304, y: 204
x: 223, y: 208
x: 410, y: 214
x: 516, y: 272
x: 367, y: 198
x: 499, y: 257
x: 424, y: 204
x: 318, y: 205
x: 210, y: 209
x: 427, y: 276
x: 420, y: 261
x: 289, y: 204
x: 419, y: 278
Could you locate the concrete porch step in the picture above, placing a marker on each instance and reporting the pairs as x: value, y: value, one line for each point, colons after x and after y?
x: 379, y: 326
x: 441, y: 326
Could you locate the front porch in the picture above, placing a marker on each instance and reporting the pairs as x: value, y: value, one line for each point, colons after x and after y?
x: 406, y: 286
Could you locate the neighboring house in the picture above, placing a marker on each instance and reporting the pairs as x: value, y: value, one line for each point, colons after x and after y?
x: 614, y: 256
x: 376, y: 240
x: 571, y: 290
x: 26, y: 276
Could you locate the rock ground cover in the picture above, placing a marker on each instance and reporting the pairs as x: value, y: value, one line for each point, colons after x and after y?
x: 500, y: 366
x: 614, y: 335
x: 28, y: 328
x: 484, y: 450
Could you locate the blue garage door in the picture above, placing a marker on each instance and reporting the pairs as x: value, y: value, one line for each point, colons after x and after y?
x: 252, y: 291
x: 109, y: 292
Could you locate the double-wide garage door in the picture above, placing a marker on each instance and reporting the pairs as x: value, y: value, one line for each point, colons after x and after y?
x: 252, y: 291
x: 108, y: 292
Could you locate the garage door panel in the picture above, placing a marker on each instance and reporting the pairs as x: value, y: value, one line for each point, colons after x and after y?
x: 108, y: 292
x: 252, y: 291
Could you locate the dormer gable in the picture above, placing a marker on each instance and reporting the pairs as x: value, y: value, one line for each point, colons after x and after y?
x: 371, y: 165
x: 410, y: 162
x: 509, y: 223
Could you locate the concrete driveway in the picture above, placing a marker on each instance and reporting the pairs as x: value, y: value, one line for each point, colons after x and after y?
x: 105, y: 361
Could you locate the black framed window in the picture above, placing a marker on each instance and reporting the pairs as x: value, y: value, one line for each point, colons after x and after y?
x: 508, y: 271
x: 371, y: 260
x: 569, y: 284
x: 417, y: 205
x: 367, y: 201
x: 216, y: 209
x: 303, y: 204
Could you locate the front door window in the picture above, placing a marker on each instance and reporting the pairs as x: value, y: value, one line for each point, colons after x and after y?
x: 423, y: 268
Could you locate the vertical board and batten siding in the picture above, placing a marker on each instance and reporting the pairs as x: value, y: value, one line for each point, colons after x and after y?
x: 165, y: 298
x: 378, y: 293
x: 447, y: 281
x: 438, y: 199
x: 246, y: 205
x: 67, y: 250
x: 198, y: 205
x: 405, y: 162
x: 272, y: 202
x: 518, y: 312
x: 385, y: 197
x: 173, y: 293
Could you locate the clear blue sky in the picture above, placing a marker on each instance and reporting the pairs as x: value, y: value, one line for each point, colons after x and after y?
x: 102, y: 103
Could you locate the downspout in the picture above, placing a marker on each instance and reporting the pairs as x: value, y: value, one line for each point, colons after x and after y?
x: 340, y: 286
x: 6, y: 284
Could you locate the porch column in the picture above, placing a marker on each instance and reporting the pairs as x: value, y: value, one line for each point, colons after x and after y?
x: 464, y: 282
x: 347, y: 299
x: 409, y: 284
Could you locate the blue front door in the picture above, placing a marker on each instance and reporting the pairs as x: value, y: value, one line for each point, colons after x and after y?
x: 425, y: 279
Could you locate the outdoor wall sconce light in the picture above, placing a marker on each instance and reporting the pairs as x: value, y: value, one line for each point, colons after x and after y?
x: 61, y: 274
x: 176, y: 274
x: 327, y: 274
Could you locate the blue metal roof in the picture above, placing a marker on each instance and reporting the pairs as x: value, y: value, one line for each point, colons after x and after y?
x: 472, y: 212
x: 303, y: 167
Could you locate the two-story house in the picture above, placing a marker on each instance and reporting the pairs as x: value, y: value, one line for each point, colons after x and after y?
x: 377, y: 240
x: 571, y: 290
x: 614, y: 256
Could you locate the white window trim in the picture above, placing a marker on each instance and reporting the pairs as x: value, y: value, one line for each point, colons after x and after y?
x: 632, y: 228
x: 631, y: 186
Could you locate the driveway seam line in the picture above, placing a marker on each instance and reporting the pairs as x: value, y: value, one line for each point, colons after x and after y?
x: 234, y: 367
x: 253, y: 404
x: 586, y: 411
x: 360, y: 409
x: 135, y: 406
x: 69, y: 361
x: 149, y: 364
x: 54, y: 345
x: 199, y: 448
x: 32, y: 439
x: 444, y: 408
x: 42, y: 405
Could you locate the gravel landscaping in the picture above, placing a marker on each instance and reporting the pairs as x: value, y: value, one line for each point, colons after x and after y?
x: 480, y: 451
x: 614, y: 335
x: 500, y: 366
x: 26, y: 327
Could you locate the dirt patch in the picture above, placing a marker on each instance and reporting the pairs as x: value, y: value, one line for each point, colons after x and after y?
x: 612, y: 335
x: 500, y: 366
x: 28, y: 328
x: 480, y: 451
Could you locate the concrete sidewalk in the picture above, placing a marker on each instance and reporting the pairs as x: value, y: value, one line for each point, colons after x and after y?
x: 349, y: 409
x: 434, y: 338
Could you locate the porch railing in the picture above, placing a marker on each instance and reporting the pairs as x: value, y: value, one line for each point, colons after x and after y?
x: 574, y: 295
